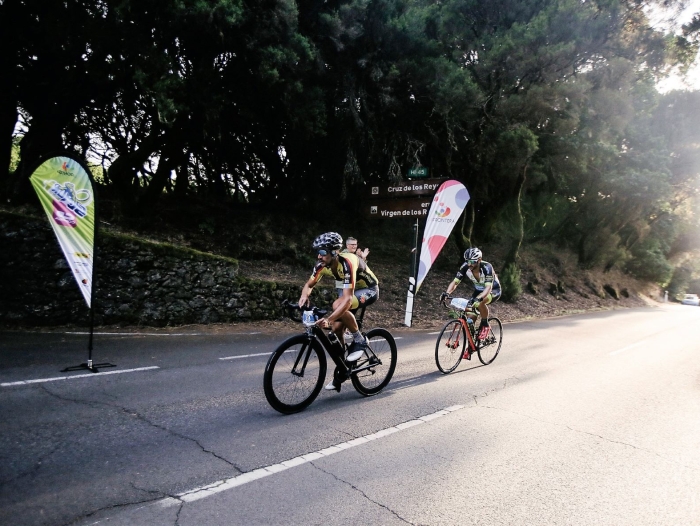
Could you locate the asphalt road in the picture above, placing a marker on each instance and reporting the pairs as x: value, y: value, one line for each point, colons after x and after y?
x: 589, y: 419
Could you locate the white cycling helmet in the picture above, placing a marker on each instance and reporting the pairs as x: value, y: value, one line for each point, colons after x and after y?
x: 472, y: 253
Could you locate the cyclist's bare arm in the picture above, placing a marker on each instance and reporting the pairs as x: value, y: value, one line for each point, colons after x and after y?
x: 341, y: 308
x: 306, y: 292
x: 452, y: 286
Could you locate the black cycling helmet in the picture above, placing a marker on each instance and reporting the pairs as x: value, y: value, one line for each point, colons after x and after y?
x: 330, y: 241
x: 472, y: 253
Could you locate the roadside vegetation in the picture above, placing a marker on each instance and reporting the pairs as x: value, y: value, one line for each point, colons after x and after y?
x: 246, y: 128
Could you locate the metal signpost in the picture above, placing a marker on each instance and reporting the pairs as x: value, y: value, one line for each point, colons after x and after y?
x: 408, y: 199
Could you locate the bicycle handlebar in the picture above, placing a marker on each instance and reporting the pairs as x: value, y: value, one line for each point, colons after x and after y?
x: 294, y: 306
x: 443, y: 301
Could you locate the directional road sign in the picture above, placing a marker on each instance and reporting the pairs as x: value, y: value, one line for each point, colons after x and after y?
x: 418, y: 172
x: 406, y: 188
x: 396, y: 208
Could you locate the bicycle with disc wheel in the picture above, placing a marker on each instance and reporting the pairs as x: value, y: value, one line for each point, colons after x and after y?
x: 296, y: 370
x: 458, y: 340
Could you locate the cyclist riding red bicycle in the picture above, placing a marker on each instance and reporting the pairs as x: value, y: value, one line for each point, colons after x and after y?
x: 487, y: 288
x: 360, y: 287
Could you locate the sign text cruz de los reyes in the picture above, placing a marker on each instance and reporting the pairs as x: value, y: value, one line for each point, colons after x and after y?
x: 407, y: 188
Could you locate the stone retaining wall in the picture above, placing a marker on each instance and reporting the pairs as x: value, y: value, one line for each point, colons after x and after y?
x: 138, y: 282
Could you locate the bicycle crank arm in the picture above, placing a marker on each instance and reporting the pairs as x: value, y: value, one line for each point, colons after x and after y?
x: 365, y: 367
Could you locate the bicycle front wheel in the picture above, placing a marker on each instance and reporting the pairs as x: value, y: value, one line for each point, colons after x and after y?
x: 450, y: 346
x: 294, y: 374
x: 488, y: 348
x: 379, y: 362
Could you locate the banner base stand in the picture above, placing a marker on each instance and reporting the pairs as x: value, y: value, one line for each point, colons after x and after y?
x: 89, y: 366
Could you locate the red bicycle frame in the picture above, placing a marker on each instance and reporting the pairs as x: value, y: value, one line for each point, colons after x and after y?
x: 472, y: 346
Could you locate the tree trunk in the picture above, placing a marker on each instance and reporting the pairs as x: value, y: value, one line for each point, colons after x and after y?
x: 182, y: 182
x: 464, y: 238
x: 123, y: 170
x: 170, y: 159
x: 513, y: 255
x: 8, y: 97
x: 582, y: 249
x: 42, y: 138
x: 217, y: 185
x: 8, y: 119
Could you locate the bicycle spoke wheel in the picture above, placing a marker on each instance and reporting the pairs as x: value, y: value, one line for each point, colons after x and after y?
x: 381, y: 355
x: 294, y: 374
x: 488, y: 348
x: 450, y: 346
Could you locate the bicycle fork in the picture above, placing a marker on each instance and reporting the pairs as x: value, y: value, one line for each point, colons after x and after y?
x: 306, y: 353
x: 453, y: 341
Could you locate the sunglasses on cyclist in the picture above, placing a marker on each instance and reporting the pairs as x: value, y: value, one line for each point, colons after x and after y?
x: 471, y: 262
x: 323, y: 252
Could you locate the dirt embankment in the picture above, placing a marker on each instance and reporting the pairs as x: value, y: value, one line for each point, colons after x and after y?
x: 552, y: 283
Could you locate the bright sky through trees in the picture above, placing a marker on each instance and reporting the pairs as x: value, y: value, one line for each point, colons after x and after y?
x: 671, y: 21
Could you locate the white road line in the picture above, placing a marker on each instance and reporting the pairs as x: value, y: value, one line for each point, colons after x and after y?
x: 130, y: 333
x: 431, y: 333
x: 625, y: 348
x: 246, y: 356
x: 268, y: 353
x: 83, y: 333
x: 226, y: 484
x: 88, y: 375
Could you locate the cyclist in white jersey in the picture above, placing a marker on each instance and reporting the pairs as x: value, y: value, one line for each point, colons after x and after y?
x: 487, y: 288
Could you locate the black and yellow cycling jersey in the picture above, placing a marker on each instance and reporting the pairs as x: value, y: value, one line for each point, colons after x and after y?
x: 350, y: 271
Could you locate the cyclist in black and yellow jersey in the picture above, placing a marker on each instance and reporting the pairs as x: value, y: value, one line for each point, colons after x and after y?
x: 360, y: 287
x: 487, y: 288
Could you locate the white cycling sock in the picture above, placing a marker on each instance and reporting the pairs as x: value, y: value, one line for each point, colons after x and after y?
x: 357, y: 337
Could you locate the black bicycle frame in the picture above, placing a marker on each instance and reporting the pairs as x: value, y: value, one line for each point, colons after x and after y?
x: 334, y: 350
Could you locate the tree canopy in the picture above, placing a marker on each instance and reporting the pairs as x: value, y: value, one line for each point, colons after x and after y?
x: 546, y: 110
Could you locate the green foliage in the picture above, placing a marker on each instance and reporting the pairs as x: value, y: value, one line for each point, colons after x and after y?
x: 510, y: 283
x: 686, y: 278
x: 694, y: 286
x: 15, y: 154
x: 601, y: 247
x: 680, y: 281
x: 97, y: 172
x: 649, y: 262
x: 208, y: 225
x: 547, y: 110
